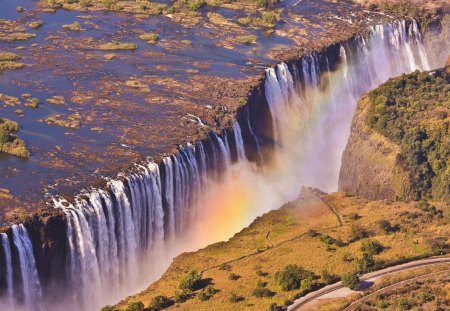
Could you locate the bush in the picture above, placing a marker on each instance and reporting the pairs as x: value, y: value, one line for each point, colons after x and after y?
x: 351, y: 280
x: 181, y: 296
x: 358, y: 233
x: 135, y: 306
x: 233, y: 276
x: 275, y: 307
x: 328, y: 277
x: 161, y: 302
x: 353, y: 216
x: 371, y: 247
x: 327, y: 239
x: 108, y: 308
x: 206, y: 293
x: 365, y: 261
x: 190, y: 281
x: 385, y: 226
x: 235, y: 298
x: 260, y: 292
x: 312, y: 233
x: 403, y: 304
x: 291, y: 277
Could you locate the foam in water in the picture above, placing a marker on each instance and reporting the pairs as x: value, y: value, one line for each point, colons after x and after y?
x: 121, y: 238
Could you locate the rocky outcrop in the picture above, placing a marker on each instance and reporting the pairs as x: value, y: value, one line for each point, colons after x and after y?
x: 370, y: 161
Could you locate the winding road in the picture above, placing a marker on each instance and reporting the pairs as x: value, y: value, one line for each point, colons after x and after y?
x: 306, y: 301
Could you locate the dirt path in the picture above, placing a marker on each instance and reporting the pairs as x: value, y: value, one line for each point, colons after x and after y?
x: 332, y: 291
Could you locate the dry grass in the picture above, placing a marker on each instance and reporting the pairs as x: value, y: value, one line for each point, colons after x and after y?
x: 251, y: 256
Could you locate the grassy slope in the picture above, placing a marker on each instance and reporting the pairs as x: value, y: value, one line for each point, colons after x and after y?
x: 288, y: 228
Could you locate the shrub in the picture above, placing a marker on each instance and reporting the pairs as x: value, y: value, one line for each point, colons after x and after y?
x: 196, y: 5
x: 291, y: 276
x: 233, y: 276
x: 207, y: 293
x: 181, y: 296
x: 327, y: 239
x: 246, y: 39
x: 135, y: 306
x: 225, y: 267
x: 351, y: 280
x: 235, y: 298
x: 107, y: 308
x: 385, y: 226
x: 403, y: 304
x: 275, y: 307
x: 161, y: 302
x: 365, y: 261
x: 150, y: 37
x: 312, y: 233
x: 358, y: 233
x: 328, y: 277
x: 189, y: 282
x: 371, y: 247
x: 261, y: 291
x: 353, y: 216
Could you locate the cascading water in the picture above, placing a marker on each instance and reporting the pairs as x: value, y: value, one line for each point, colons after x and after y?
x: 116, y: 237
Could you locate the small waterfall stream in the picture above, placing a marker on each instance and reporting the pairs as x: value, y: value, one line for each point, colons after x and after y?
x: 116, y: 236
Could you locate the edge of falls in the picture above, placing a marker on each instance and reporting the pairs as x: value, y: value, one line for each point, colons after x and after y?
x: 108, y: 235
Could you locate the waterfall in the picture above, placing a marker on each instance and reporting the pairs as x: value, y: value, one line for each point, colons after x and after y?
x: 30, y: 281
x: 113, y: 233
x: 8, y: 267
x: 239, y: 143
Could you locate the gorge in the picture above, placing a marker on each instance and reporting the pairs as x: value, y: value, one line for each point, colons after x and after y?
x: 109, y: 242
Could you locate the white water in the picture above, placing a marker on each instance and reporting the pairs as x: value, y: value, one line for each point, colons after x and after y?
x: 122, y: 238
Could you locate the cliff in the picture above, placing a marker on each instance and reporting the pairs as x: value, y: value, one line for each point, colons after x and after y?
x: 370, y: 161
x: 398, y: 146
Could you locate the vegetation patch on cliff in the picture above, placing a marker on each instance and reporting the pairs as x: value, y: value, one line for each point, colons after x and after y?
x: 413, y: 111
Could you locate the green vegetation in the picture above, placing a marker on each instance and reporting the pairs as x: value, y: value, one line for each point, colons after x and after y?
x: 117, y: 46
x: 266, y: 20
x: 150, y: 37
x: 413, y: 111
x: 292, y: 277
x: 206, y: 293
x: 246, y: 39
x: 160, y: 302
x: 371, y: 247
x: 351, y: 280
x: 135, y: 306
x: 35, y: 24
x: 9, y: 142
x: 190, y: 281
x: 75, y: 26
x: 8, y: 61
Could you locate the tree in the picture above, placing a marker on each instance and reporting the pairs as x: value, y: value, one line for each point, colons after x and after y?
x: 291, y: 276
x: 189, y: 282
x: 351, y: 280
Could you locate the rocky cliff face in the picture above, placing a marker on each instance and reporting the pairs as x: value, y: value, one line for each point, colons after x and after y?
x: 369, y: 163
